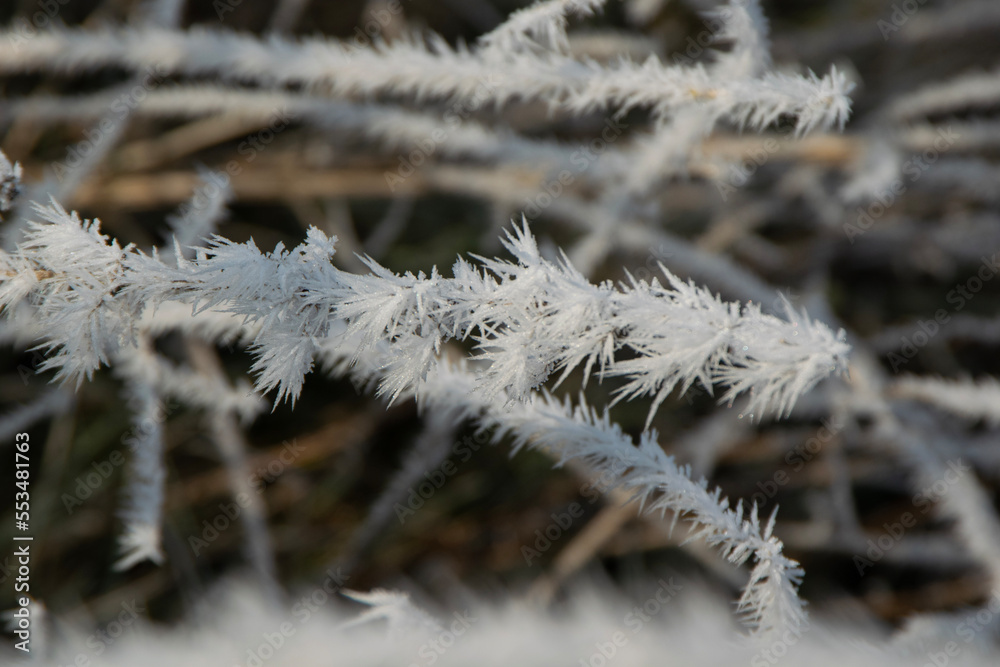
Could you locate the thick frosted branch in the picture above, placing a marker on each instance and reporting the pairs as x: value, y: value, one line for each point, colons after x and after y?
x: 531, y: 318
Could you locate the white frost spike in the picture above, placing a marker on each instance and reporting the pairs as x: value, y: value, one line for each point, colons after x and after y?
x: 404, y: 617
x: 543, y: 23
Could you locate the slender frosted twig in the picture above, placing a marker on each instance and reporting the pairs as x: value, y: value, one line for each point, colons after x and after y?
x: 146, y: 478
x: 432, y: 68
x: 969, y: 399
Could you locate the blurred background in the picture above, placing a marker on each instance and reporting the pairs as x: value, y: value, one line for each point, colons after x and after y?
x: 793, y: 217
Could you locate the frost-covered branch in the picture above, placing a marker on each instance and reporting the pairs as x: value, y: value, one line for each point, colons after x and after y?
x: 543, y: 23
x: 432, y: 68
x: 531, y: 318
x: 50, y: 403
x: 146, y: 481
x: 968, y: 399
x: 432, y: 446
x: 928, y: 450
x: 770, y: 600
x: 973, y: 90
